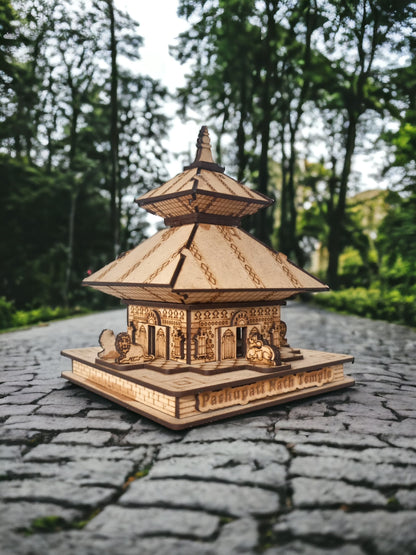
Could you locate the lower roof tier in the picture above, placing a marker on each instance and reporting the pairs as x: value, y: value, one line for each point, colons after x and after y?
x: 165, y: 295
x: 202, y: 263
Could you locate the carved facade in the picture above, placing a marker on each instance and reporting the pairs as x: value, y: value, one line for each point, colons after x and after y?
x: 206, y: 335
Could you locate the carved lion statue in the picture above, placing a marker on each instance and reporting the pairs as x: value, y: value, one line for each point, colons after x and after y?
x: 128, y: 352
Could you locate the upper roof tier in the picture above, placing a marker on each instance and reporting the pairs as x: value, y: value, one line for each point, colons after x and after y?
x: 203, y: 193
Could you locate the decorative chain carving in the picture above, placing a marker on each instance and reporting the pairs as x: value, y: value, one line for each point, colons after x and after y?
x: 283, y: 263
x: 227, y: 234
x: 165, y: 235
x: 209, y: 275
x: 163, y: 266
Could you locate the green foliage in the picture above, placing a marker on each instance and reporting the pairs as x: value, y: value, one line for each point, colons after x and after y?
x: 57, y: 137
x: 44, y: 314
x: 390, y: 305
x: 12, y: 318
x: 46, y: 524
x: 142, y: 473
x: 6, y: 313
x: 397, y: 237
x: 277, y: 75
x: 351, y: 268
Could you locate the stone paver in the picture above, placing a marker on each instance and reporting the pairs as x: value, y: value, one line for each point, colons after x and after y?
x: 331, y: 474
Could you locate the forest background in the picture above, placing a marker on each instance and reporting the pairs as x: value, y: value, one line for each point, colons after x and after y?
x: 293, y: 92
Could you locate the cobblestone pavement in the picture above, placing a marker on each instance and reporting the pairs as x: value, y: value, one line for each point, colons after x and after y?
x: 330, y: 474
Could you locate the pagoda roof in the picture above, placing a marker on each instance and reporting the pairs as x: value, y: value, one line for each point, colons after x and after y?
x: 202, y: 263
x: 203, y: 193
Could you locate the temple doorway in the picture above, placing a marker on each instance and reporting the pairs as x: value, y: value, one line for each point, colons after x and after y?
x: 241, y: 333
x: 152, y: 340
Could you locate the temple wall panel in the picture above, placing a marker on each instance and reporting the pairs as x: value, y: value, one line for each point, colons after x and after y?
x: 218, y: 327
x: 187, y: 406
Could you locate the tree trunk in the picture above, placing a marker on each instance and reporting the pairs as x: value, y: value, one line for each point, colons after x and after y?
x: 291, y: 198
x: 114, y: 137
x: 292, y: 242
x: 337, y: 219
x: 283, y: 227
x: 241, y: 135
x: 73, y: 200
x: 264, y: 224
x: 218, y: 148
x: 263, y: 227
x: 241, y: 147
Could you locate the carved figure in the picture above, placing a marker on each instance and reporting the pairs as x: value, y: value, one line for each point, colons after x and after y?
x: 275, y: 336
x: 107, y: 341
x: 283, y: 330
x: 132, y: 331
x: 151, y: 319
x: 201, y: 341
x: 128, y: 353
x: 161, y: 344
x: 258, y: 352
x: 142, y: 337
x: 178, y: 344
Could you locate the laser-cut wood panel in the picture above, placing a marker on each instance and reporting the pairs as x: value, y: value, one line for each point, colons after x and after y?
x: 204, y: 338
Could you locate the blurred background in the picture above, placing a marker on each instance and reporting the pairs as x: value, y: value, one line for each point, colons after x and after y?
x: 311, y: 102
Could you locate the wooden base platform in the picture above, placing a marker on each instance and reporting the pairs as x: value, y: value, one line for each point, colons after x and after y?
x: 189, y: 398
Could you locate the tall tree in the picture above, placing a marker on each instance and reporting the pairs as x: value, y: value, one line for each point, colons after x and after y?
x: 397, y: 239
x: 8, y: 40
x: 232, y: 77
x: 252, y: 60
x: 115, y: 174
x: 363, y: 30
x: 77, y: 53
x: 328, y: 53
x: 302, y: 63
x: 66, y: 140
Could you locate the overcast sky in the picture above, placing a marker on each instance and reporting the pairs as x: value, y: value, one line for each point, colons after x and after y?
x: 159, y: 26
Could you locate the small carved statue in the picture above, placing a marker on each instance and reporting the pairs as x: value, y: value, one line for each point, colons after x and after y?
x: 274, y: 335
x: 258, y: 352
x: 107, y: 341
x: 283, y: 331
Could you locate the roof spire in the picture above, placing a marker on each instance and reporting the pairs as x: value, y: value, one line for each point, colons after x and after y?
x: 203, y: 158
x: 203, y: 145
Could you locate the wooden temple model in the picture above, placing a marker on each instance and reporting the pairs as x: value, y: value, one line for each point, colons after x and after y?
x: 204, y: 337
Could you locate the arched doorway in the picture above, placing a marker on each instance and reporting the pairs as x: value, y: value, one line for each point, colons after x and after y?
x: 241, y: 333
x: 151, y: 350
x: 161, y: 343
x: 228, y: 345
